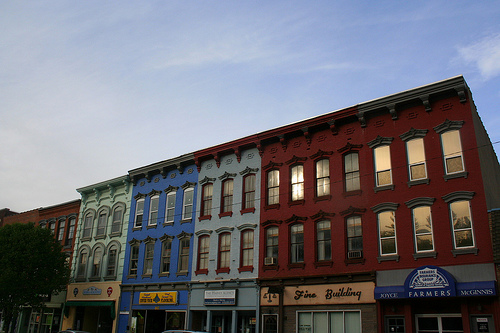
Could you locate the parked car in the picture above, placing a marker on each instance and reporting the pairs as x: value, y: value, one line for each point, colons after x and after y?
x: 182, y: 331
x: 72, y: 331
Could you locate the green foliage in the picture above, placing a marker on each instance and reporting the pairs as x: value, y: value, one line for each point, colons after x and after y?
x: 32, y: 266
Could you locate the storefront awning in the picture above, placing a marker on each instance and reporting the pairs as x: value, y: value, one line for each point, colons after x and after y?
x: 111, y: 304
x: 432, y: 281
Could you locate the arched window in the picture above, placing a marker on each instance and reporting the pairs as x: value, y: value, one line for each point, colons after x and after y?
x: 83, y: 258
x: 112, y: 261
x: 96, y: 262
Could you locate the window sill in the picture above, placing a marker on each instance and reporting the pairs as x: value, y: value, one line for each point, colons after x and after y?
x: 205, y: 217
x: 151, y: 226
x: 383, y: 188
x: 462, y: 174
x: 166, y: 224
x: 115, y: 234
x: 80, y: 279
x: 430, y: 254
x: 322, y: 198
x: 355, y: 261
x: 275, y: 206
x: 201, y: 272
x: 300, y: 265
x: 222, y: 270
x: 137, y: 228
x: 326, y: 263
x: 182, y: 273
x: 296, y: 203
x: 131, y: 276
x: 352, y: 193
x: 469, y: 250
x: 67, y: 247
x: 226, y: 214
x: 270, y: 267
x: 146, y: 276
x: 94, y: 278
x: 247, y: 210
x: 110, y: 278
x: 86, y: 239
x: 245, y: 269
x: 100, y: 237
x: 418, y: 182
x: 164, y: 275
x: 186, y: 221
x: 392, y: 257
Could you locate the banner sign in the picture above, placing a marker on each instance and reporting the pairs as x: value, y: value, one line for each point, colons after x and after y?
x: 167, y: 297
x: 220, y: 297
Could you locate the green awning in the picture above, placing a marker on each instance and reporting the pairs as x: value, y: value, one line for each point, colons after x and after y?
x: 111, y: 304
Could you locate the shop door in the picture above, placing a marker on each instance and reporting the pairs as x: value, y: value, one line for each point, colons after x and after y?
x: 221, y: 322
x: 270, y: 323
x: 482, y: 324
x: 155, y: 321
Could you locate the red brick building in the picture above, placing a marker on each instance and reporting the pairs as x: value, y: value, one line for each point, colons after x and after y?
x: 375, y: 217
x: 62, y: 220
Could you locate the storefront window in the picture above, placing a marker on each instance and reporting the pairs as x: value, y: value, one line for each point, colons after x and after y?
x: 439, y: 324
x: 329, y: 322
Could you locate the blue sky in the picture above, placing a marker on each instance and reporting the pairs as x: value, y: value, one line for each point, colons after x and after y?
x: 92, y: 89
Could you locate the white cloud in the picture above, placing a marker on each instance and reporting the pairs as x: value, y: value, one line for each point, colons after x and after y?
x: 485, y: 55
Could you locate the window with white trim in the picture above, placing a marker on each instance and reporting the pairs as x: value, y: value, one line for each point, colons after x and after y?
x: 153, y: 210
x: 96, y: 262
x: 324, y: 240
x: 170, y: 210
x: 139, y: 212
x: 87, y: 225
x: 184, y: 246
x: 422, y: 226
x: 102, y: 221
x: 273, y: 187
x: 82, y: 263
x: 116, y: 224
x: 297, y: 182
x: 297, y: 243
x: 134, y: 259
x: 61, y: 227
x: 351, y: 172
x: 149, y: 253
x: 383, y: 173
x: 187, y: 210
x: 387, y: 233
x: 463, y: 233
x: 452, y: 152
x: 112, y: 260
x: 70, y: 231
x: 416, y: 159
x: 354, y: 232
x: 322, y: 177
x: 166, y: 252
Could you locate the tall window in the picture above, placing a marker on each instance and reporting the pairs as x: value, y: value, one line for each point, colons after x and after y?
x: 203, y: 251
x: 170, y: 213
x: 273, y: 187
x: 249, y: 191
x: 463, y: 234
x: 62, y: 224
x: 70, y: 231
x: 322, y: 177
x: 101, y: 223
x: 272, y: 244
x: 116, y: 224
x: 354, y: 237
x: 224, y: 250
x: 184, y: 255
x: 247, y: 248
x: 416, y: 159
x: 351, y: 172
x: 324, y: 240
x: 148, y: 258
x: 52, y: 226
x: 382, y: 156
x: 297, y: 243
x: 297, y: 182
x: 422, y: 225
x: 187, y: 210
x: 206, y: 203
x: 97, y: 260
x: 153, y: 210
x: 166, y: 253
x: 82, y: 263
x: 134, y: 259
x: 387, y: 233
x: 227, y: 196
x: 139, y: 211
x: 112, y: 260
x: 87, y: 226
x: 452, y: 151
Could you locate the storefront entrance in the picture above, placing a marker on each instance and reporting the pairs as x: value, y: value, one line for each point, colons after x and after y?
x: 94, y: 319
x: 157, y: 321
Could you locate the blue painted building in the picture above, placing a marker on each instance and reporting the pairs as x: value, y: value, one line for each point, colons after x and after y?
x: 157, y: 265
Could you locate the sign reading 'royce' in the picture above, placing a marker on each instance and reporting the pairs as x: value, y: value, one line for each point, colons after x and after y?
x: 348, y: 293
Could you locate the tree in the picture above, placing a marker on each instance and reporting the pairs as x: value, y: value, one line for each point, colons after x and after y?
x: 32, y: 266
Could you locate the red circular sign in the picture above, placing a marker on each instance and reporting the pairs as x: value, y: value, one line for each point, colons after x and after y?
x: 110, y: 291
